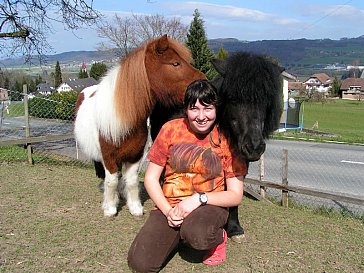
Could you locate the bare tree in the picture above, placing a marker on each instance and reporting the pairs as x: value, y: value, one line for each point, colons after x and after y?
x: 25, y: 24
x: 124, y: 34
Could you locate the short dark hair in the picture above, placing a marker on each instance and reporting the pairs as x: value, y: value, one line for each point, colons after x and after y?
x: 203, y: 91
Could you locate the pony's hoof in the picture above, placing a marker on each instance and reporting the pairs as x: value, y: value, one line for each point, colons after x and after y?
x: 136, y: 209
x: 110, y: 212
x: 238, y: 238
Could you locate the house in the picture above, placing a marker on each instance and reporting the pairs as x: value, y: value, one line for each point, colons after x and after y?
x: 4, y: 94
x: 296, y: 88
x: 76, y: 84
x: 45, y: 89
x: 320, y: 82
x: 287, y: 79
x: 352, y: 88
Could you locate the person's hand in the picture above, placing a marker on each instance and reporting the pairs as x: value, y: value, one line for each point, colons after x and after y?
x: 186, y: 206
x: 173, y: 218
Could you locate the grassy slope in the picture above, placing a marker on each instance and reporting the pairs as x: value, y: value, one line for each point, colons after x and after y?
x: 51, y: 221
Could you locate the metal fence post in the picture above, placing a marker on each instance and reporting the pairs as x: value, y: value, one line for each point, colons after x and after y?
x: 285, y: 177
x: 27, y: 127
x: 261, y: 176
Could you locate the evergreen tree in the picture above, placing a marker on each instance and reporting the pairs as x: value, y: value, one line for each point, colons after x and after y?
x: 6, y: 83
x: 57, y: 75
x: 16, y: 93
x: 222, y: 54
x: 335, y: 89
x: 98, y: 70
x: 39, y: 80
x: 197, y: 43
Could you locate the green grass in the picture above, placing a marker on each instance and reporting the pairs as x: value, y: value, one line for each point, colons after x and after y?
x: 16, y: 109
x: 343, y: 119
x: 53, y: 222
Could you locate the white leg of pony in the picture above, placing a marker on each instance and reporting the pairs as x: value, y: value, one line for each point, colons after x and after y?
x: 131, y: 189
x: 111, y: 196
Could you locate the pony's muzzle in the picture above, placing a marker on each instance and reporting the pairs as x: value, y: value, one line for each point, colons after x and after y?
x: 254, y: 150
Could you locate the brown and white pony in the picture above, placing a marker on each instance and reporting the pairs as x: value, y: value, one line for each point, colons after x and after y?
x: 111, y: 120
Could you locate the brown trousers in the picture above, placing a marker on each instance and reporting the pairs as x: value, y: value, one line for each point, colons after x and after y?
x: 202, y: 229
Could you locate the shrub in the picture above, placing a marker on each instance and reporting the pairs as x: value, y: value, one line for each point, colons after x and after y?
x: 54, y: 106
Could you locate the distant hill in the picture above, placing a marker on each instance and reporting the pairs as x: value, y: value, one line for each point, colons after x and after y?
x: 65, y: 57
x: 299, y: 52
x: 290, y: 53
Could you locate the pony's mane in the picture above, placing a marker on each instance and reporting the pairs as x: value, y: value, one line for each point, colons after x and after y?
x: 250, y: 78
x: 133, y: 99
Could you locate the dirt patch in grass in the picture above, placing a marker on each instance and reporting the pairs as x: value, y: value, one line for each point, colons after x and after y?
x: 51, y: 221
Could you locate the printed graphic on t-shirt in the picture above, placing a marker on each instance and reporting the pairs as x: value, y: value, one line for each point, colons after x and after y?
x: 196, y: 166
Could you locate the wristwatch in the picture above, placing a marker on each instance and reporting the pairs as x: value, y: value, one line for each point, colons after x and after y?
x: 203, y: 198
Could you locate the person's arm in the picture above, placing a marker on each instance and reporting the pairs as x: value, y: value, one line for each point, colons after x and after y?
x: 151, y: 184
x: 229, y: 198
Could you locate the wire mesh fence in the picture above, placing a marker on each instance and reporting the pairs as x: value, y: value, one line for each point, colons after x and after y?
x: 42, y: 129
x: 39, y: 129
x: 335, y: 169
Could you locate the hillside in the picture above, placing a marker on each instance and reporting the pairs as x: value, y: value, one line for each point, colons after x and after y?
x: 294, y: 55
x: 301, y: 52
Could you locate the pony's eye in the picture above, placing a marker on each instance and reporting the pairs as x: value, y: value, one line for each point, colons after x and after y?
x: 176, y: 64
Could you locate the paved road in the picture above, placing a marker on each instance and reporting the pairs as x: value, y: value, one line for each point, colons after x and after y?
x: 328, y: 167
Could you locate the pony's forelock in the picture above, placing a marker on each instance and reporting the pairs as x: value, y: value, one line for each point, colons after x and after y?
x: 181, y: 50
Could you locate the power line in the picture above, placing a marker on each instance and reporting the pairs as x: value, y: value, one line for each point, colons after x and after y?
x: 321, y: 18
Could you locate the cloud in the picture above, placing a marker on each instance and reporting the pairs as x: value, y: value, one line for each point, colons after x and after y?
x: 335, y: 12
x: 229, y: 13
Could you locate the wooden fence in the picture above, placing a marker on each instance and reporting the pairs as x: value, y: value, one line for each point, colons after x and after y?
x: 286, y: 188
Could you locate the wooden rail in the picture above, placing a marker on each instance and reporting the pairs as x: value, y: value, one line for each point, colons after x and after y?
x: 9, y: 142
x: 358, y: 200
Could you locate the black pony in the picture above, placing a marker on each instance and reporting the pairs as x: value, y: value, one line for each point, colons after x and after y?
x: 249, y: 87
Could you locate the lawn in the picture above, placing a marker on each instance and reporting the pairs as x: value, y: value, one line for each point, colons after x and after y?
x: 51, y: 221
x: 344, y: 119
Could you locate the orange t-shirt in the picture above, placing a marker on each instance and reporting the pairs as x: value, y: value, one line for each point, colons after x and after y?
x: 193, y: 164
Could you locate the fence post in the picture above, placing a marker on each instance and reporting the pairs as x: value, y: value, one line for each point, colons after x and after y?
x: 261, y: 176
x: 27, y: 127
x: 285, y: 177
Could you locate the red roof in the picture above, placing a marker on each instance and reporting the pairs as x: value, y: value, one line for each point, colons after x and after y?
x: 351, y: 82
x: 322, y: 77
x: 296, y: 85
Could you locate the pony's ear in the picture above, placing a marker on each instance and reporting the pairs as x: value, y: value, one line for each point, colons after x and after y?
x: 162, y: 44
x: 220, y: 66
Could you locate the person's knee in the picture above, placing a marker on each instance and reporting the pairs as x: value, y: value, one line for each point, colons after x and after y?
x: 140, y: 265
x: 141, y: 260
x: 200, y: 237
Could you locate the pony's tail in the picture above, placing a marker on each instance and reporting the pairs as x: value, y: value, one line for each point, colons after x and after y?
x: 99, y: 169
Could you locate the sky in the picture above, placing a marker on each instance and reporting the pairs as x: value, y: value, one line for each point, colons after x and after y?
x: 246, y: 20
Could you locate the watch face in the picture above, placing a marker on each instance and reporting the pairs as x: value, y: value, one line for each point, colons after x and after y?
x: 203, y: 198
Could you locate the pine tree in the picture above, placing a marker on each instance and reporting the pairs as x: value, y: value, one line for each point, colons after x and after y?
x: 57, y: 75
x: 197, y: 43
x: 222, y: 54
x: 335, y: 89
